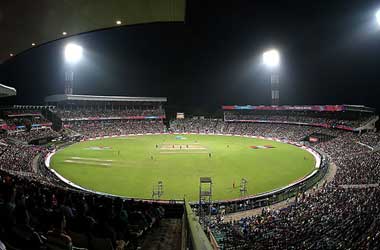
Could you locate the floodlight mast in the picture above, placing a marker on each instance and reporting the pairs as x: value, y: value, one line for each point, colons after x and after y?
x: 378, y: 17
x: 73, y: 54
x: 271, y: 59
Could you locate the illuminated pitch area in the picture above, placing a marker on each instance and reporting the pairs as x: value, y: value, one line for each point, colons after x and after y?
x: 183, y: 148
x: 131, y: 166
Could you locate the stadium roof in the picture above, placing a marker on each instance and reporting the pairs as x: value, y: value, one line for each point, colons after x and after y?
x: 7, y: 91
x: 63, y: 98
x: 328, y: 108
x: 28, y: 24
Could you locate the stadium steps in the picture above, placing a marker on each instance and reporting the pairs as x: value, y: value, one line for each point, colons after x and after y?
x: 16, y: 141
x: 369, y: 124
x: 166, y: 236
x: 54, y: 118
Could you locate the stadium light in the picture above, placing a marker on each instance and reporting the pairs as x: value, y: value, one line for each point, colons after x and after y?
x: 73, y: 53
x: 271, y: 58
x: 378, y: 16
x: 118, y: 22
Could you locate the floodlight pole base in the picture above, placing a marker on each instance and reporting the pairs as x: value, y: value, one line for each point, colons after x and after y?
x: 205, y: 200
x: 275, y: 89
x: 69, y: 82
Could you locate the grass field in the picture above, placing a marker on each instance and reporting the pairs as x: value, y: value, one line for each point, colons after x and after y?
x: 131, y: 166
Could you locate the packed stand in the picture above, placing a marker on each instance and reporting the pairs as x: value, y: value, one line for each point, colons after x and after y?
x: 116, y: 127
x: 107, y: 113
x: 371, y: 139
x: 358, y: 169
x: 38, y: 211
x: 283, y: 131
x: 15, y: 157
x: 34, y: 134
x: 332, y: 218
x: 197, y: 125
x: 332, y: 119
x: 23, y: 117
x: 336, y: 217
x: 341, y: 214
x: 35, y: 216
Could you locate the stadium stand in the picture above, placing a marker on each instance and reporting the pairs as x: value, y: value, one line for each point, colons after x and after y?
x: 101, y: 128
x: 26, y: 123
x: 40, y: 211
x: 341, y: 214
x: 96, y: 116
x: 33, y: 135
x: 35, y: 216
x: 84, y: 113
x: 345, y: 117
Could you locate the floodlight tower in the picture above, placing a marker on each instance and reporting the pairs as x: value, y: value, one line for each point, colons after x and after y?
x: 73, y: 54
x: 205, y: 198
x: 271, y: 59
x: 378, y: 16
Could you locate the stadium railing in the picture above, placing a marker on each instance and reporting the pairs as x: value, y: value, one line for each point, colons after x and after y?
x: 274, y: 197
x: 196, y: 236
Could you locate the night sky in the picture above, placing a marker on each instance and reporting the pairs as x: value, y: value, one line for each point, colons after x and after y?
x: 330, y: 53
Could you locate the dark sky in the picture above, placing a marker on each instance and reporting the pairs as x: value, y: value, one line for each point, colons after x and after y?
x: 330, y: 55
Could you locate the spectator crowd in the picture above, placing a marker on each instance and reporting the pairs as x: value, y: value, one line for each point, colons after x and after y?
x: 332, y: 119
x: 101, y: 128
x: 35, y: 216
x: 106, y: 113
x: 341, y: 214
x: 22, y: 117
x: 34, y: 134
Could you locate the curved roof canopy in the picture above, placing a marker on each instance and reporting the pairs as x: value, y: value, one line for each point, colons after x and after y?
x: 26, y: 24
x: 7, y: 91
x: 65, y: 97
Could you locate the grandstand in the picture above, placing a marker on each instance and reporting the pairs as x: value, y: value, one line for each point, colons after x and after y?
x: 352, y: 190
x: 96, y: 116
x: 333, y: 204
x: 340, y: 203
x: 346, y: 117
x: 355, y: 180
x: 27, y: 124
x: 89, y: 221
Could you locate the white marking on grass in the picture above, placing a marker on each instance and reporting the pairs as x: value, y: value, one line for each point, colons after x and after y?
x: 190, y: 143
x: 183, y: 149
x: 90, y: 159
x: 88, y: 163
x: 98, y: 148
x: 183, y: 152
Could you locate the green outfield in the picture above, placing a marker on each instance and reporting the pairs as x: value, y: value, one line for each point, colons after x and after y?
x: 131, y: 166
